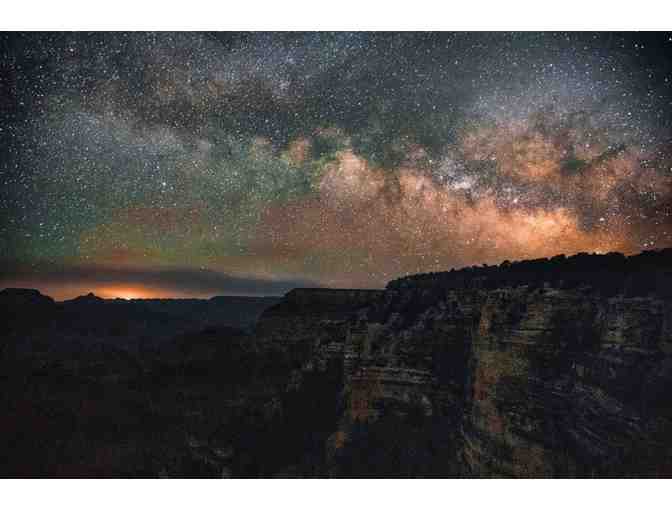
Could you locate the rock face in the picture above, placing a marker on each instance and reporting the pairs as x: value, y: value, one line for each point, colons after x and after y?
x: 493, y: 372
x: 303, y: 312
x: 565, y: 383
x: 312, y: 322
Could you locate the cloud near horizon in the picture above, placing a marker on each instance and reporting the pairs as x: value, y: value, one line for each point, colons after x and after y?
x: 68, y: 282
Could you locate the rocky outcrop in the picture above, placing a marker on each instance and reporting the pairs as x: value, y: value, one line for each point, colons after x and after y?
x: 88, y: 299
x: 556, y: 368
x: 24, y: 309
x: 565, y: 382
x: 312, y: 323
x: 302, y: 310
x: 24, y: 297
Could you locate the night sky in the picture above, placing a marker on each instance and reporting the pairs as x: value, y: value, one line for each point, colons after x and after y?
x: 187, y: 164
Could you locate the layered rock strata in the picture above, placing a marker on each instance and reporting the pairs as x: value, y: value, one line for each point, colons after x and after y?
x: 545, y: 376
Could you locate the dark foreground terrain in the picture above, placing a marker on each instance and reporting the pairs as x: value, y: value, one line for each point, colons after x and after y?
x: 555, y: 367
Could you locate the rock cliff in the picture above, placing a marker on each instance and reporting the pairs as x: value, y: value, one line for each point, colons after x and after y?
x: 312, y: 323
x: 545, y: 368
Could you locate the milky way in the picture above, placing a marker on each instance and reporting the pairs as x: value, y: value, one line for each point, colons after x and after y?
x: 202, y: 164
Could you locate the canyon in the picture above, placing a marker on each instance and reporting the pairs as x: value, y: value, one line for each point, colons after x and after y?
x: 545, y: 368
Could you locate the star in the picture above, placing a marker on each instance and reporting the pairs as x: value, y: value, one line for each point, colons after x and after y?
x: 337, y: 159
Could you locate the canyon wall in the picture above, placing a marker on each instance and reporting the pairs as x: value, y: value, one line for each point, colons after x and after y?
x: 486, y: 373
x: 312, y: 323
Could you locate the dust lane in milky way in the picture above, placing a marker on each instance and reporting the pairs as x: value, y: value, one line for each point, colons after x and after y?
x: 201, y: 164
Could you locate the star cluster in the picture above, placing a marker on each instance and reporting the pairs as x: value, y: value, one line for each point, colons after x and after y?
x: 201, y: 164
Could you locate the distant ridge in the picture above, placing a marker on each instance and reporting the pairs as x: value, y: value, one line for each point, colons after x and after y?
x: 647, y: 272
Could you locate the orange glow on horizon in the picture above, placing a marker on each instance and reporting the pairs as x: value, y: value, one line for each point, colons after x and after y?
x: 139, y: 292
x: 123, y: 293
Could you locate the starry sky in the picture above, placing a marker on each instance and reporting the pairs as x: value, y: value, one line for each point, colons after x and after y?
x: 197, y: 164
